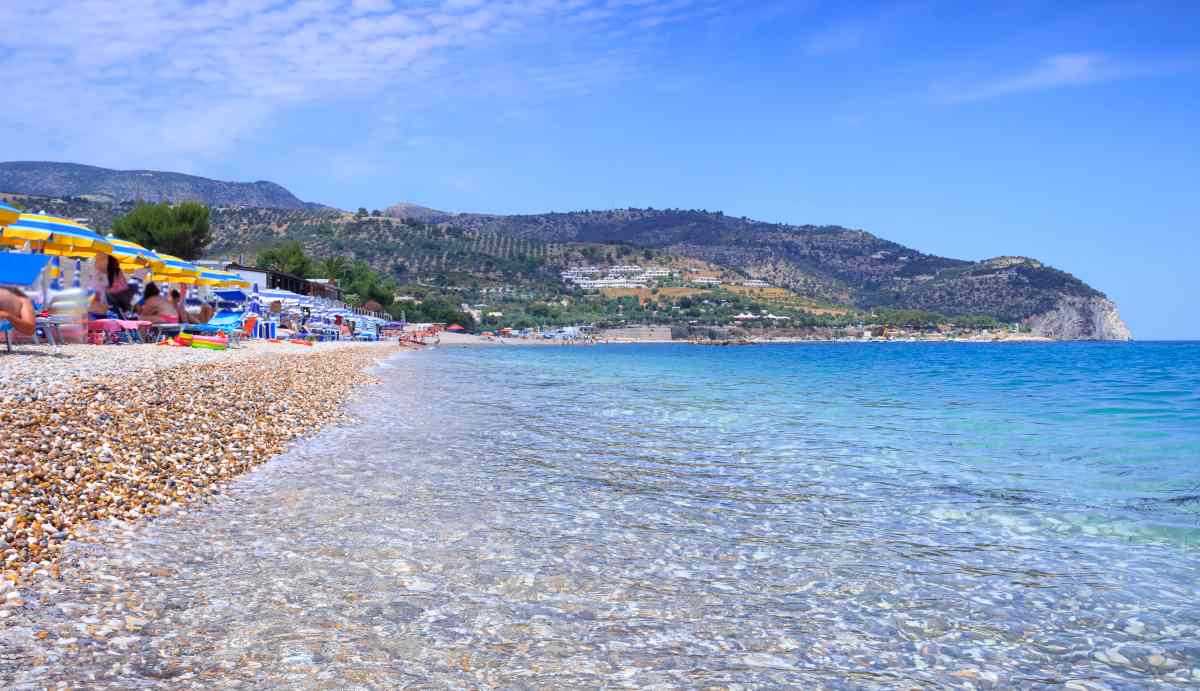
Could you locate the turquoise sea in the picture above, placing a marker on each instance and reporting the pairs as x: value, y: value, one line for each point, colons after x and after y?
x: 825, y: 515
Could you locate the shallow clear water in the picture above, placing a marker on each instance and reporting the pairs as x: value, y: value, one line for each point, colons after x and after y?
x: 838, y: 515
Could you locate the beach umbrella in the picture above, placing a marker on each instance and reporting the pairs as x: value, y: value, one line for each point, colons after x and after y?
x: 221, y: 279
x: 455, y: 327
x: 232, y: 280
x: 132, y: 256
x: 8, y: 213
x: 272, y: 294
x: 56, y: 236
x: 176, y: 270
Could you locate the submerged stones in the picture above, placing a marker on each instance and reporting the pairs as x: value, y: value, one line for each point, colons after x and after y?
x: 464, y: 538
x: 137, y: 429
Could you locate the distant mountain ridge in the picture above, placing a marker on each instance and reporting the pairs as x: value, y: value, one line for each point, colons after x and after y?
x: 50, y: 179
x: 830, y: 264
x: 837, y: 264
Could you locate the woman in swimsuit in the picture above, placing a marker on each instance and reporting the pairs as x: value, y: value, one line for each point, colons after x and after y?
x: 156, y: 309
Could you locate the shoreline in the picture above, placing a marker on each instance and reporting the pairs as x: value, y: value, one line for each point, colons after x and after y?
x: 453, y: 340
x: 129, y: 432
x: 425, y: 543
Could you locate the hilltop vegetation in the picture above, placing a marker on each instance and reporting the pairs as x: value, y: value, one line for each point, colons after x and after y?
x: 829, y: 272
x: 49, y: 179
x: 829, y: 263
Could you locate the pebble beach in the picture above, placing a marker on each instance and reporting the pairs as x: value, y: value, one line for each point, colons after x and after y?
x: 97, y: 435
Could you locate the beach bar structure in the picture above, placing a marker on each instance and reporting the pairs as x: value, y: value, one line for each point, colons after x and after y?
x: 270, y: 279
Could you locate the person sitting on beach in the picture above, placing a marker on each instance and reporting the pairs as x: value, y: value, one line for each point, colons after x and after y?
x: 110, y: 289
x: 185, y: 317
x: 180, y: 310
x: 155, y: 308
x: 16, y: 309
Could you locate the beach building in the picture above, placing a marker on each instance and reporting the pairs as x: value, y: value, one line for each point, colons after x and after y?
x: 706, y: 280
x: 325, y: 288
x: 270, y: 279
x: 611, y: 282
x: 756, y: 283
x: 577, y: 273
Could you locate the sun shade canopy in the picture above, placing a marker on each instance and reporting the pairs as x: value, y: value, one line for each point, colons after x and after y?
x: 19, y: 269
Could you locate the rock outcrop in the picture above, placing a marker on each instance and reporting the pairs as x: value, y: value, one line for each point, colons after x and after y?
x: 406, y: 211
x: 1079, y: 318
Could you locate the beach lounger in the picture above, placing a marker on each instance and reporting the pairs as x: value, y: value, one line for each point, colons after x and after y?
x: 21, y: 270
x: 115, y: 328
x: 229, y: 324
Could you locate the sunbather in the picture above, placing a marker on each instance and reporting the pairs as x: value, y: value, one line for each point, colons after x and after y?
x: 17, y: 310
x: 155, y: 308
x: 186, y: 317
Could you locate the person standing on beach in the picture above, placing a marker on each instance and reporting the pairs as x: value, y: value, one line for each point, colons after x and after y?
x: 110, y: 288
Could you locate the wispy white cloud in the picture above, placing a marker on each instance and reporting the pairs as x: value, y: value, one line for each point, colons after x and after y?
x: 836, y: 39
x: 1056, y: 71
x: 862, y: 29
x: 141, y: 82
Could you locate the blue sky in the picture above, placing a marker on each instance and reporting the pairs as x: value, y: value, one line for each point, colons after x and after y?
x: 1059, y: 130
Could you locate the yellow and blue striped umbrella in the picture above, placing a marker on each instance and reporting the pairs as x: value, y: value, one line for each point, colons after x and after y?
x: 132, y: 256
x: 224, y: 279
x: 176, y: 270
x: 56, y: 235
x: 8, y: 213
x: 233, y: 280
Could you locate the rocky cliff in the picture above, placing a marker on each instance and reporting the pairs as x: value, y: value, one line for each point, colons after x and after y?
x: 1081, y: 318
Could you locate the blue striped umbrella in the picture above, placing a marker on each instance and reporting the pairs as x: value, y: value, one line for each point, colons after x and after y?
x: 8, y: 213
x: 176, y: 270
x: 55, y: 235
x: 220, y: 278
x: 132, y: 256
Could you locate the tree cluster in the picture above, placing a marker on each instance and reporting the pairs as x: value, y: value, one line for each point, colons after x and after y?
x: 358, y: 281
x: 181, y: 230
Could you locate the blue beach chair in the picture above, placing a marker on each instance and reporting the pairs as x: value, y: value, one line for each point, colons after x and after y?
x: 224, y: 322
x: 20, y: 270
